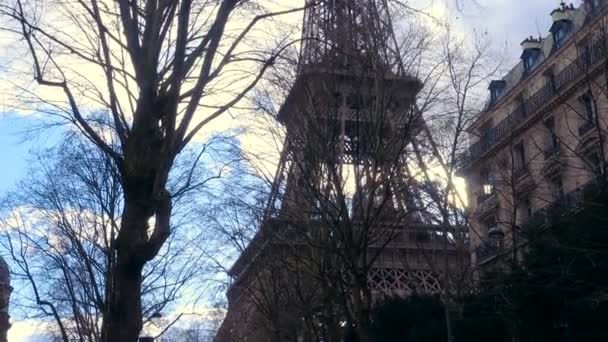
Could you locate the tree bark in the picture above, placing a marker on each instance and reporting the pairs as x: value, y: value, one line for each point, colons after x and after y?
x: 123, y: 319
x: 123, y: 316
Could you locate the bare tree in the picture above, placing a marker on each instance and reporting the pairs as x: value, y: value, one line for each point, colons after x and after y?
x: 156, y: 74
x: 59, y: 228
x: 349, y: 192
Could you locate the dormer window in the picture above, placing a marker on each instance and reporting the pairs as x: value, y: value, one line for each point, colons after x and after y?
x: 494, y: 94
x: 530, y: 60
x: 559, y: 36
x: 560, y: 30
x: 531, y: 52
x: 496, y: 88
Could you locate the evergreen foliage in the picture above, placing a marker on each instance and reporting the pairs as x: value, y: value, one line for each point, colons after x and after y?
x: 416, y: 318
x: 559, y: 292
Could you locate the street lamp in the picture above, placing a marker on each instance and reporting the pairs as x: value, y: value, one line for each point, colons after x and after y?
x: 496, y: 234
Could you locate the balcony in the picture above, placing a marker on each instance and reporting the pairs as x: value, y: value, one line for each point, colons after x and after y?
x: 487, y: 250
x: 553, y: 162
x: 486, y: 203
x: 564, y: 205
x: 550, y: 91
x: 483, y: 197
x: 586, y: 127
x: 520, y: 171
x: 552, y: 151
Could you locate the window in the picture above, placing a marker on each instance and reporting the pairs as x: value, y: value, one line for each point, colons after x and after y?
x: 530, y: 60
x: 553, y: 140
x: 524, y: 210
x: 593, y: 162
x: 557, y: 188
x: 519, y: 158
x: 487, y: 186
x: 588, y: 107
x: 588, y: 112
x: 559, y: 36
x: 551, y: 79
x: 495, y: 93
x: 496, y: 88
x: 488, y: 182
x: 560, y: 31
x: 488, y: 189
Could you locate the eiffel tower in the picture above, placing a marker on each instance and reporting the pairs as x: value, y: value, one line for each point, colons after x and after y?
x: 343, y: 183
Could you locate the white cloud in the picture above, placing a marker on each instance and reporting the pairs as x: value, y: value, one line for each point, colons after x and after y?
x: 505, y: 21
x: 30, y: 330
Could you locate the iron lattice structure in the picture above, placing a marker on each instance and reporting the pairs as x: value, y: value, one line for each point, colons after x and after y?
x: 344, y: 183
x: 343, y: 32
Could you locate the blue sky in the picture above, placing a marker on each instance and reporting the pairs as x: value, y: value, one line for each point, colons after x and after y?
x: 14, y: 149
x: 16, y: 143
x: 506, y: 21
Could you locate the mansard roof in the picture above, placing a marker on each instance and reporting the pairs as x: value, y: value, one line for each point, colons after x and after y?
x: 578, y: 16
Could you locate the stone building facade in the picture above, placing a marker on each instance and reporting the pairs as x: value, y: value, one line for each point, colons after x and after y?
x: 540, y: 141
x: 5, y: 293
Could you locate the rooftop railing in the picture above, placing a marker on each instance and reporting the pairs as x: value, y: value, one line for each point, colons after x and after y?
x: 549, y: 91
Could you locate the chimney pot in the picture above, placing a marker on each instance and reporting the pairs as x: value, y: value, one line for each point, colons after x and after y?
x: 564, y: 12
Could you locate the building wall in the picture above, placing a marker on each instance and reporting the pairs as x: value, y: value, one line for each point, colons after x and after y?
x: 495, y: 187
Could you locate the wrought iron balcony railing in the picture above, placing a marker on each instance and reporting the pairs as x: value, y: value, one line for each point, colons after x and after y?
x: 486, y: 203
x: 486, y: 250
x: 586, y: 127
x: 551, y: 90
x: 483, y: 197
x: 563, y: 205
x: 552, y: 151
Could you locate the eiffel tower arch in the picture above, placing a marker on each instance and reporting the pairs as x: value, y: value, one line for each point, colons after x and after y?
x: 346, y: 222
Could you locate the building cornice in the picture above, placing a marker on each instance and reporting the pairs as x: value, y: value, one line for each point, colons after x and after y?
x: 514, y: 92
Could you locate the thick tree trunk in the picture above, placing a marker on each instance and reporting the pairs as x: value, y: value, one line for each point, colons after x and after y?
x: 123, y: 319
x: 123, y: 316
x: 361, y: 313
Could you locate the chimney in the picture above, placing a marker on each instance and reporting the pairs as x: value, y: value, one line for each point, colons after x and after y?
x: 563, y: 12
x: 531, y: 43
